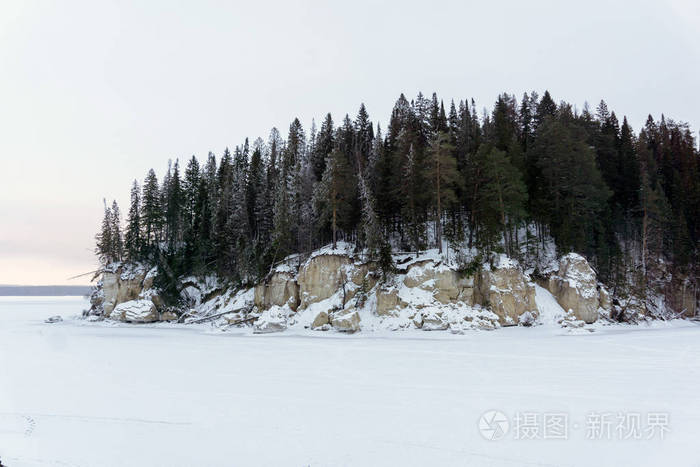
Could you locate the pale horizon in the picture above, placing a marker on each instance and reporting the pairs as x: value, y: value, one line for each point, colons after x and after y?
x: 96, y: 93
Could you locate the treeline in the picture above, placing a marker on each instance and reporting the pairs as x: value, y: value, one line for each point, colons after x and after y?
x: 626, y: 200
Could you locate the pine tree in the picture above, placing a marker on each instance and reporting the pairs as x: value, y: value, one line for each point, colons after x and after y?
x: 191, y: 211
x: 628, y: 169
x: 132, y: 238
x: 151, y: 215
x: 117, y: 248
x: 332, y: 198
x: 282, y: 239
x: 574, y: 193
x: 545, y: 108
x: 173, y: 208
x: 190, y: 194
x: 206, y: 211
x: 325, y: 141
x: 254, y: 190
x: 501, y: 198
x: 411, y: 195
x: 587, y: 181
x: 364, y: 138
x: 655, y: 221
x: 104, y: 243
x: 374, y: 240
x: 445, y: 179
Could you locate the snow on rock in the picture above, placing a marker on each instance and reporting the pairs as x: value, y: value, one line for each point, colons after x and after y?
x: 135, y: 311
x: 191, y: 295
x: 527, y: 319
x: 465, y: 318
x: 341, y: 249
x: 550, y: 312
x: 150, y: 278
x: 346, y: 320
x: 274, y: 319
x: 445, y: 283
x: 576, y: 288
x: 433, y: 319
x: 506, y: 290
x: 317, y: 315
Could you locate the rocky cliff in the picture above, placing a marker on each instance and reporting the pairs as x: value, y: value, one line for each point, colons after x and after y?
x: 335, y: 289
x: 126, y: 293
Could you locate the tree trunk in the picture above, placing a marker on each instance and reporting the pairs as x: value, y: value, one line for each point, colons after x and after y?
x: 438, y: 228
x: 644, y: 243
x: 335, y: 209
x: 503, y: 217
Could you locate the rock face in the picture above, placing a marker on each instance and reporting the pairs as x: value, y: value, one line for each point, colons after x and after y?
x: 321, y: 276
x: 135, y: 311
x: 121, y: 284
x: 506, y: 291
x: 576, y: 288
x: 278, y: 290
x: 335, y: 289
x: 388, y: 301
x: 445, y: 284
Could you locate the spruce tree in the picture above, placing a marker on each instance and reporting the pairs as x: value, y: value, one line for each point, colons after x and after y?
x: 132, y: 238
x: 117, y: 239
x: 151, y: 215
x: 104, y: 243
x: 372, y: 232
x: 332, y: 198
x: 445, y: 180
x: 325, y: 141
x: 191, y: 211
x: 501, y: 198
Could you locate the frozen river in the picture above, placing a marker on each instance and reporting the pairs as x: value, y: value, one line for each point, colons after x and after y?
x: 95, y: 394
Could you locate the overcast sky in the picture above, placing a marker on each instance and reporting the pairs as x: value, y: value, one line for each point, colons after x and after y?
x: 94, y: 93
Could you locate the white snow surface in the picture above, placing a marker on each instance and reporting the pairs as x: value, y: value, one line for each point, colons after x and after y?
x: 80, y: 393
x: 550, y: 312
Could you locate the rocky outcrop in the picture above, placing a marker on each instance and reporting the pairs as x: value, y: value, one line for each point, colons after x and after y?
x: 446, y: 284
x: 576, y: 289
x: 334, y: 289
x: 120, y: 284
x: 125, y: 284
x: 504, y: 289
x: 321, y: 277
x: 279, y: 289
